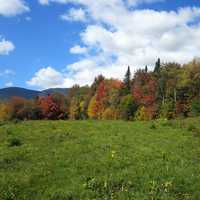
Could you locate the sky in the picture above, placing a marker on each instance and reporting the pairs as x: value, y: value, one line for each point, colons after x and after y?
x: 59, y: 43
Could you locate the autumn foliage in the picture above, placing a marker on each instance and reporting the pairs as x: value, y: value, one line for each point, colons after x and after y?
x: 170, y: 90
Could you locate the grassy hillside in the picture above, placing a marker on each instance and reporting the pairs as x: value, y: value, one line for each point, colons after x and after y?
x: 63, y: 160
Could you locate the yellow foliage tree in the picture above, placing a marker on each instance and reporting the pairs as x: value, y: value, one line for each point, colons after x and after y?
x: 110, y: 114
x: 92, y: 108
x: 142, y: 114
x: 5, y: 112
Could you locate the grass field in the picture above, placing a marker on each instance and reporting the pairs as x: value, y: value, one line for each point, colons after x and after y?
x: 64, y: 160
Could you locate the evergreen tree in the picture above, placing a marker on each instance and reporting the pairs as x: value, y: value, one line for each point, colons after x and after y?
x: 96, y: 83
x: 157, y: 66
x: 146, y: 69
x: 127, y: 82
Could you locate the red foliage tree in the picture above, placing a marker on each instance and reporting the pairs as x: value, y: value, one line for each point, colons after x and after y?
x: 144, y: 89
x: 52, y: 108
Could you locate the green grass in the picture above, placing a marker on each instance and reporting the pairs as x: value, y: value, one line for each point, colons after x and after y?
x: 97, y: 160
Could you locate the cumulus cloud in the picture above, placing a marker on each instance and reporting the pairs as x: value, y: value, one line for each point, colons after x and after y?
x: 6, y: 46
x: 117, y: 36
x: 81, y: 72
x: 46, y: 77
x: 74, y: 15
x: 10, y: 8
x: 78, y: 50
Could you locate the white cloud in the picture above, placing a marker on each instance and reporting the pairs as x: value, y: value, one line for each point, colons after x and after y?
x: 47, y: 2
x: 137, y: 2
x: 118, y: 36
x: 78, y: 50
x: 9, y: 84
x: 6, y: 46
x: 10, y: 8
x: 47, y: 77
x: 74, y: 15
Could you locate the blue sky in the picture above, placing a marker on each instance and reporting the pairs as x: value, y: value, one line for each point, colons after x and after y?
x: 58, y: 43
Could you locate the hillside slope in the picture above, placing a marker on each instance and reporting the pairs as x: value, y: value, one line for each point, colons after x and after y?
x: 7, y: 93
x: 54, y: 160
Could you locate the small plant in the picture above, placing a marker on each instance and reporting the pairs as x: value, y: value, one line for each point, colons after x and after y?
x: 167, y: 123
x: 15, y: 142
x: 153, y: 126
x: 62, y: 196
x: 8, y: 131
x: 1, y: 123
x: 195, y: 131
x: 16, y: 121
x: 191, y: 127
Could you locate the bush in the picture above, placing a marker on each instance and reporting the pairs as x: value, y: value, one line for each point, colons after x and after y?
x: 16, y: 121
x: 167, y: 111
x: 110, y: 114
x: 195, y: 108
x: 153, y: 126
x: 194, y: 130
x: 15, y: 142
x: 191, y: 127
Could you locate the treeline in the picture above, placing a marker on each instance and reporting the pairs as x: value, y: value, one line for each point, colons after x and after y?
x: 171, y: 90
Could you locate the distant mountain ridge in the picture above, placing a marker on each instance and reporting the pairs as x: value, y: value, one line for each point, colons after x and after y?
x: 7, y: 93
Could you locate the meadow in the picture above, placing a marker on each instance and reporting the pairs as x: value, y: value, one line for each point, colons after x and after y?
x: 97, y: 160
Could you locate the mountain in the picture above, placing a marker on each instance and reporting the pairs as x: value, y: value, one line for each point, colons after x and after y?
x: 63, y: 91
x: 7, y: 93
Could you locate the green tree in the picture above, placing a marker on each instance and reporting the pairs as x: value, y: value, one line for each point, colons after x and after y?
x: 128, y: 107
x: 157, y: 66
x: 146, y: 69
x: 126, y: 89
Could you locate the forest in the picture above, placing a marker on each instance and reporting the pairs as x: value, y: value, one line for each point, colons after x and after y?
x: 170, y: 91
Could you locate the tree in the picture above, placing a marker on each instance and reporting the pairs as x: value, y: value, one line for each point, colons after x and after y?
x: 74, y: 112
x: 146, y: 69
x: 4, y: 111
x: 79, y: 102
x: 126, y: 89
x: 92, y: 108
x: 157, y: 66
x: 144, y: 88
x: 111, y: 114
x: 52, y: 107
x: 96, y: 83
x: 128, y: 107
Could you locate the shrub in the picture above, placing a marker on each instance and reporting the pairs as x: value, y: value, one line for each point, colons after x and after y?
x: 167, y: 111
x: 195, y: 108
x: 15, y: 142
x: 191, y: 127
x: 153, y: 126
x: 16, y: 121
x: 110, y: 114
x: 195, y: 131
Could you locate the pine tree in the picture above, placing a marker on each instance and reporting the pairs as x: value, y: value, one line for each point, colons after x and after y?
x: 157, y: 66
x: 146, y: 69
x: 127, y: 82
